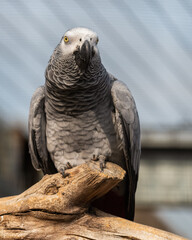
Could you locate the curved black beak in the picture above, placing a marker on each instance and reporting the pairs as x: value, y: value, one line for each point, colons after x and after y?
x: 83, y: 55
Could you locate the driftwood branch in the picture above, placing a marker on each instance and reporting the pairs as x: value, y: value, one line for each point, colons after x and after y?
x: 57, y: 208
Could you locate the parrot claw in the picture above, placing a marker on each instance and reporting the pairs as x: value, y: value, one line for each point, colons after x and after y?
x: 62, y: 170
x: 63, y: 173
x: 102, y: 161
x: 68, y: 165
x: 94, y: 158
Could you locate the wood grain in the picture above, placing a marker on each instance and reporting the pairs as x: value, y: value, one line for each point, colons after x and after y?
x: 59, y: 208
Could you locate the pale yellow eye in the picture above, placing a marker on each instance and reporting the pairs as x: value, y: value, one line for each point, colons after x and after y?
x: 97, y: 40
x: 66, y: 39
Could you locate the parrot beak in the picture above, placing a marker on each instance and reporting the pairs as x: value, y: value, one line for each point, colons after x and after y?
x: 83, y: 55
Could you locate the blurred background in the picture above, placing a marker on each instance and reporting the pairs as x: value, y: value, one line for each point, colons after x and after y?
x: 146, y: 44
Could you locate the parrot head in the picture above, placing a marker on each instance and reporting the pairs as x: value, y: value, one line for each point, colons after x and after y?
x: 75, y: 62
x: 81, y: 43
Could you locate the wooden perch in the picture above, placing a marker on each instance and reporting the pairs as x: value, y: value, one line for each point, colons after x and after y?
x: 57, y: 208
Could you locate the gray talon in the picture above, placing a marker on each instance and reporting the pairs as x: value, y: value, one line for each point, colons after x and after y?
x: 68, y: 165
x: 102, y: 160
x: 94, y: 158
x: 64, y: 174
x: 101, y: 167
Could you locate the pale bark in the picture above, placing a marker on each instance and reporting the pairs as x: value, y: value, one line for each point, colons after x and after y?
x: 58, y: 208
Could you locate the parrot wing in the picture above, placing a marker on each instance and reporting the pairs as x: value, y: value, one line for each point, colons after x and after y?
x: 128, y: 128
x: 37, y: 133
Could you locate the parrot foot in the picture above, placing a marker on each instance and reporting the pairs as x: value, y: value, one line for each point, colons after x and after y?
x: 102, y: 161
x: 62, y: 170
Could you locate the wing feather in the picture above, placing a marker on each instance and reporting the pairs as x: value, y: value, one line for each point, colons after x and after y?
x: 128, y: 127
x: 37, y: 133
x: 129, y: 119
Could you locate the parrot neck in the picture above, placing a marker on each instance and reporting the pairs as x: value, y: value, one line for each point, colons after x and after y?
x: 92, y: 89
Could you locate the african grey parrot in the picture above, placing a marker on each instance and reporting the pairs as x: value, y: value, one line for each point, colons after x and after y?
x: 82, y: 113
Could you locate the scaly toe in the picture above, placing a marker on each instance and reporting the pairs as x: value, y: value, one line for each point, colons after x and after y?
x: 95, y: 158
x: 64, y: 174
x: 102, y: 160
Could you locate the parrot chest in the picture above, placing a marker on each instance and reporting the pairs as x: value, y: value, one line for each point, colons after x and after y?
x: 78, y: 139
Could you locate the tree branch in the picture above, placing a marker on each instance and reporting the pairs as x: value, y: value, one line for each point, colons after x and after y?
x: 57, y: 208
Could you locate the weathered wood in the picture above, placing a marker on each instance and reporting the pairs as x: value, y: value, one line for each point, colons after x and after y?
x: 57, y: 208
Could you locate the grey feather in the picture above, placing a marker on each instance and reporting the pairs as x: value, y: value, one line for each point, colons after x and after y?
x: 128, y: 116
x: 37, y: 136
x: 83, y: 112
x: 128, y: 126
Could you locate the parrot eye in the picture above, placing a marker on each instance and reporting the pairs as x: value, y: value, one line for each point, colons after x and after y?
x: 97, y: 40
x: 66, y: 39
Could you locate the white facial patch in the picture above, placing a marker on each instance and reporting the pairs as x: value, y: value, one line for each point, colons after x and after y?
x: 76, y: 37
